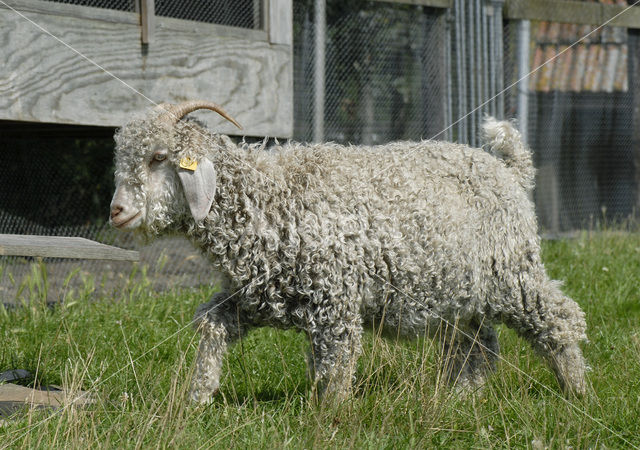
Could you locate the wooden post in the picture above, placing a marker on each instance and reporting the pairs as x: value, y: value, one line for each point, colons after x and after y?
x: 147, y: 20
x: 281, y: 22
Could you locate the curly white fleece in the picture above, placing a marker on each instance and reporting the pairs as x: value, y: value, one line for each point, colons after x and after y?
x: 317, y: 235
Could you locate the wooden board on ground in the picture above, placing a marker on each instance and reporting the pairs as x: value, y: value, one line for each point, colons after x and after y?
x: 62, y: 247
x: 14, y: 398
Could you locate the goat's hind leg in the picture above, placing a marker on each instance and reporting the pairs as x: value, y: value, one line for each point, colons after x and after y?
x: 469, y: 355
x: 555, y: 325
x: 220, y: 326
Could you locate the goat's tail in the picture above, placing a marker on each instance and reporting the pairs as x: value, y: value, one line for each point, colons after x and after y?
x: 504, y: 140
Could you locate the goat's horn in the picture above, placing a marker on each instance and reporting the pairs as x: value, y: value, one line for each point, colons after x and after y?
x: 173, y: 113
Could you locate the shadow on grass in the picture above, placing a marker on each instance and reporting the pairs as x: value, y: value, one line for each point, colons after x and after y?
x: 267, y: 395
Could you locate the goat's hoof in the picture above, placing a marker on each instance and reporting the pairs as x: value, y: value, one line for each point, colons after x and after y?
x: 200, y: 397
x: 469, y: 386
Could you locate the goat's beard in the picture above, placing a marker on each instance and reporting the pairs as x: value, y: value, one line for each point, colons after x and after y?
x: 164, y: 224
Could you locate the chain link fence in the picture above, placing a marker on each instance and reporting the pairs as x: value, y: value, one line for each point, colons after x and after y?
x: 234, y: 13
x: 577, y: 113
x: 58, y: 181
x: 119, y: 5
x: 385, y: 72
x: 391, y: 72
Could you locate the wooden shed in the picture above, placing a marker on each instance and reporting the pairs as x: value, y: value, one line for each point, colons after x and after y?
x: 96, y: 62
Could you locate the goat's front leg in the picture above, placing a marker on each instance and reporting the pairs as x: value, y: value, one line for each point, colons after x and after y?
x: 335, y: 348
x: 220, y: 325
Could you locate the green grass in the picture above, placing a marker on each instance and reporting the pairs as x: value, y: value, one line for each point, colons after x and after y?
x: 110, y: 347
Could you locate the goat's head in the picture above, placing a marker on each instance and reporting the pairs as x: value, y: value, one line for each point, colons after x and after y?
x: 162, y: 170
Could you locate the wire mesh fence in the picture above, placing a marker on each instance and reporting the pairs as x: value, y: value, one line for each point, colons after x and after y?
x: 234, y: 13
x: 119, y: 5
x: 58, y: 181
x: 384, y: 72
x: 391, y: 71
x: 578, y: 119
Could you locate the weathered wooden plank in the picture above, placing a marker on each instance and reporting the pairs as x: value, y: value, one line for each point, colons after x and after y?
x: 13, y: 394
x: 41, y: 80
x: 570, y: 11
x: 280, y: 22
x: 259, y: 8
x: 62, y: 247
x: 430, y: 3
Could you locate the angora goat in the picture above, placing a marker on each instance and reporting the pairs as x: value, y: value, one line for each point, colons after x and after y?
x: 328, y: 239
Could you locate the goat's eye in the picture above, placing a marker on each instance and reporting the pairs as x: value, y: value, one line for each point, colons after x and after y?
x: 159, y: 156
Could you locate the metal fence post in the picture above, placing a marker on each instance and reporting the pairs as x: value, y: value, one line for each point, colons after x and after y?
x: 448, y: 98
x: 523, y: 57
x: 498, y: 44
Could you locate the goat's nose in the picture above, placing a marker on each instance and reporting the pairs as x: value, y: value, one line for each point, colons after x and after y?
x: 115, y: 210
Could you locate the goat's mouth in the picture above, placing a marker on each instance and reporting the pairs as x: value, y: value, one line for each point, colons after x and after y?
x: 127, y: 222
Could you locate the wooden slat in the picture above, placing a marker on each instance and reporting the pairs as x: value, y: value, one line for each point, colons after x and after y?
x: 62, y: 247
x: 566, y: 11
x: 41, y: 80
x: 280, y: 22
x: 147, y: 20
x: 13, y: 393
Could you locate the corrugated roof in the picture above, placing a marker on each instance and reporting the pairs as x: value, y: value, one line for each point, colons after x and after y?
x: 597, y: 64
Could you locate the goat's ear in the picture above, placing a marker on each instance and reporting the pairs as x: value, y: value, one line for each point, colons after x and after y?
x: 199, y: 184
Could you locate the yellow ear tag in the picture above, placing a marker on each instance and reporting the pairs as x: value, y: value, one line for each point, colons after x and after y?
x: 188, y: 163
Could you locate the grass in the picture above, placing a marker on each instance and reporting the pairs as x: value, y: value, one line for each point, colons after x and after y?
x: 110, y: 347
